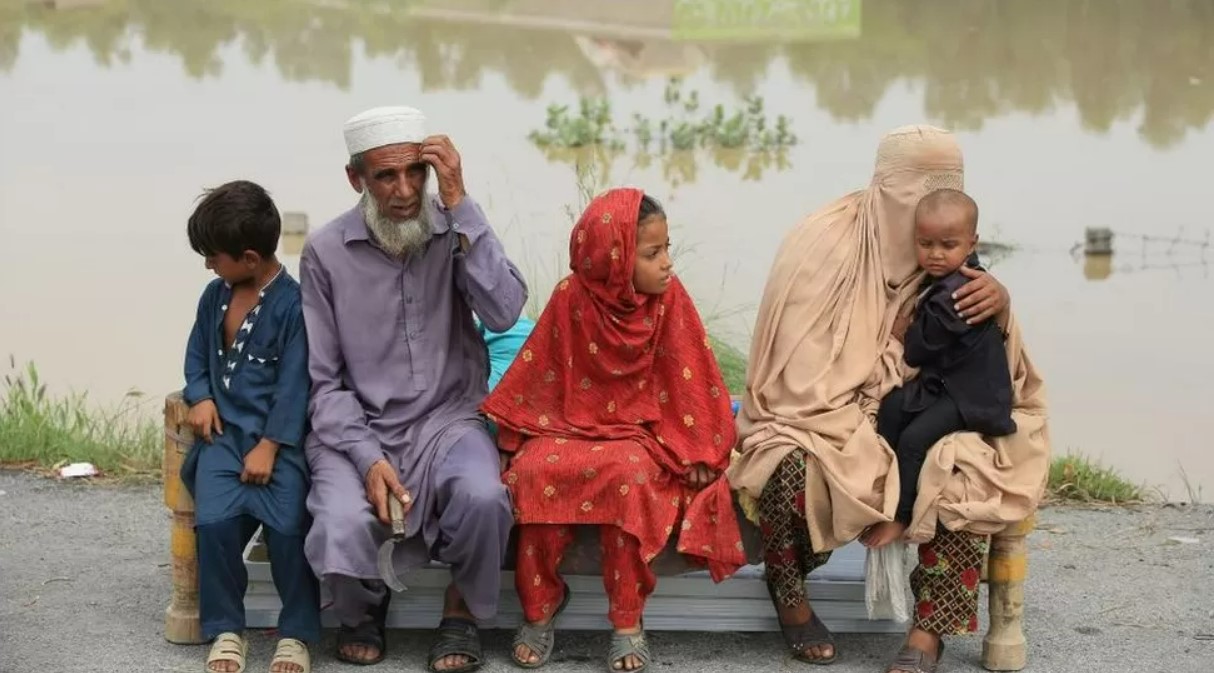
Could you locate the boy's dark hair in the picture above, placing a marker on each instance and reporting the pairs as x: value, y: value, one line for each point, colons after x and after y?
x: 235, y: 217
x: 949, y: 198
x: 650, y: 208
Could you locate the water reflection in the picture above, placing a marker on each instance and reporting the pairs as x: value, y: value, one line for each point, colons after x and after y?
x: 978, y: 59
x: 1106, y: 252
x: 679, y: 167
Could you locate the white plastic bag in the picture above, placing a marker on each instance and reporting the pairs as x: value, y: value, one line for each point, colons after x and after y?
x: 887, y: 582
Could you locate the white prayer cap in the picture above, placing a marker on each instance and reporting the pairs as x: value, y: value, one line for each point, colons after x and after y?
x: 382, y: 126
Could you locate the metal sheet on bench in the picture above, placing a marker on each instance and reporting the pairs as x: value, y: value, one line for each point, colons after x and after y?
x: 686, y: 602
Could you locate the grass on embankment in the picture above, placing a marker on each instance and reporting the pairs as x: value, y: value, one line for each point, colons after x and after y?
x: 39, y: 430
x: 1077, y: 479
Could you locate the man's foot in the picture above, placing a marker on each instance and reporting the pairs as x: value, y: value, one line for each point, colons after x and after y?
x: 881, y: 534
x: 363, y: 644
x: 227, y: 653
x: 455, y: 608
x: 638, y: 650
x: 366, y: 643
x: 921, y: 652
x: 800, y: 618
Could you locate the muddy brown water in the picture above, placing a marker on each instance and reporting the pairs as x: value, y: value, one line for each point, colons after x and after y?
x: 1072, y: 114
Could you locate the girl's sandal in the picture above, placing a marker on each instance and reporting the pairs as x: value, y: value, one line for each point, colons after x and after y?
x: 292, y: 651
x: 539, y: 638
x: 623, y: 645
x: 228, y: 646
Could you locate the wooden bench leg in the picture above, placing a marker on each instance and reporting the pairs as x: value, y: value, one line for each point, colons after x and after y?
x: 1004, y: 647
x: 181, y: 621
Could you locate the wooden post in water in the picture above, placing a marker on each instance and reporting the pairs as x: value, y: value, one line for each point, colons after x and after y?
x: 1004, y: 647
x: 1097, y: 241
x: 181, y: 621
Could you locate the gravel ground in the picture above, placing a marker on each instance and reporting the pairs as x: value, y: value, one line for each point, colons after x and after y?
x: 84, y: 580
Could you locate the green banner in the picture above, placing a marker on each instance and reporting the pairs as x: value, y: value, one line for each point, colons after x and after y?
x: 782, y: 20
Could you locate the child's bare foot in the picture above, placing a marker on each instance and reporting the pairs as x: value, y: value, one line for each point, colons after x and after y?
x: 881, y: 534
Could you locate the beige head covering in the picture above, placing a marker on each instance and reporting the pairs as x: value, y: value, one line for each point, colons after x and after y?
x: 822, y: 357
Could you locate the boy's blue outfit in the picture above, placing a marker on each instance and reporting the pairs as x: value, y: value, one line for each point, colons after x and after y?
x: 260, y: 388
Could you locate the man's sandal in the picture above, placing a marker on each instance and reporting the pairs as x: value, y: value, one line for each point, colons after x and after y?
x: 457, y: 637
x: 811, y: 634
x: 292, y: 651
x: 372, y: 633
x: 624, y: 645
x: 228, y: 646
x: 911, y: 660
x: 539, y: 638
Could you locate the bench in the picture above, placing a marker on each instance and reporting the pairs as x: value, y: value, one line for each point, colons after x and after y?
x: 685, y: 599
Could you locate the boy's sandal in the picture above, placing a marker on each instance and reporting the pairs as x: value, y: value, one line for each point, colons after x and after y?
x: 457, y: 637
x: 539, y: 638
x: 227, y: 647
x: 371, y: 633
x: 623, y: 645
x: 802, y: 637
x: 910, y: 660
x: 292, y: 651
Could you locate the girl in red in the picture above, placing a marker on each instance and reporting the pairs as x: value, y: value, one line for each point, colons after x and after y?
x: 617, y: 417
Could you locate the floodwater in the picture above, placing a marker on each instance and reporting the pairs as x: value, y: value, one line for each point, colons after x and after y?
x: 1072, y: 115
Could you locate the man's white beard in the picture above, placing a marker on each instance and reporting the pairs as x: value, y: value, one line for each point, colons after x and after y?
x: 399, y: 238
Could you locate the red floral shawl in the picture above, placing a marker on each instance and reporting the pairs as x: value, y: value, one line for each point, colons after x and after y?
x: 605, y: 363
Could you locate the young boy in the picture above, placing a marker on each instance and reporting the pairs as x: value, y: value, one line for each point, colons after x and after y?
x: 247, y: 387
x: 963, y: 381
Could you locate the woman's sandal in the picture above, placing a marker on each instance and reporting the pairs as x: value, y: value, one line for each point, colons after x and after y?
x: 460, y: 638
x: 292, y: 651
x: 539, y: 638
x: 802, y: 637
x: 228, y: 647
x: 372, y: 633
x: 911, y: 660
x: 624, y: 645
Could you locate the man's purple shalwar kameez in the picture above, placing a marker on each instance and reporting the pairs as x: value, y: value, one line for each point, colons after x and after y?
x: 398, y: 370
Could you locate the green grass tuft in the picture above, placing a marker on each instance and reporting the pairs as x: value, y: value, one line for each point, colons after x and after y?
x: 44, y: 430
x: 732, y: 363
x: 1074, y: 478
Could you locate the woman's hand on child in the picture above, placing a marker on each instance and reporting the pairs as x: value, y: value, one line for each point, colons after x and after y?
x: 382, y: 483
x: 981, y: 298
x: 700, y: 476
x: 259, y: 463
x: 204, y: 417
x: 901, y: 324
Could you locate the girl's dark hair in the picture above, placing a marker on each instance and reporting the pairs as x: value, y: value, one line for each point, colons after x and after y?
x: 235, y: 217
x: 649, y: 208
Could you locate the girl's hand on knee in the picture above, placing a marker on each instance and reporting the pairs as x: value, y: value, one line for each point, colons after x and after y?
x: 700, y: 476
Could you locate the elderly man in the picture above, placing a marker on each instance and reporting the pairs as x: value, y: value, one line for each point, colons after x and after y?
x: 398, y: 369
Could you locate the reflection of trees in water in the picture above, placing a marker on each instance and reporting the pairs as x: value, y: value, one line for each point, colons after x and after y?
x: 976, y: 58
x: 679, y: 167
